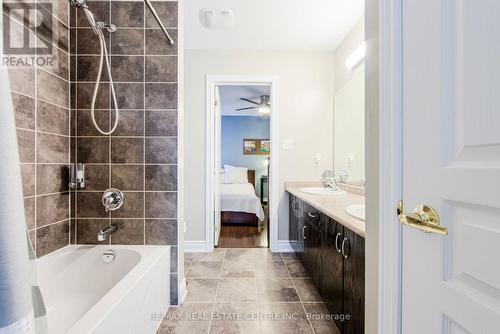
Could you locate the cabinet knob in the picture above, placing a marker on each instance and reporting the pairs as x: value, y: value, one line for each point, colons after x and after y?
x: 304, y: 232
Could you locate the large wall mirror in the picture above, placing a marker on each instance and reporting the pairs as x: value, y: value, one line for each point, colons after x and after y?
x: 349, y: 130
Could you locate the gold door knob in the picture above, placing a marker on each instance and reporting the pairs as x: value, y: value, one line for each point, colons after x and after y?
x: 424, y: 218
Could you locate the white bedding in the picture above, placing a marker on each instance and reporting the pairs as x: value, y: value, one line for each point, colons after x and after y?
x: 240, y: 198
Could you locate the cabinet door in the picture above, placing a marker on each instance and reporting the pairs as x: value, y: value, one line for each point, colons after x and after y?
x: 293, y: 234
x: 312, y: 242
x: 332, y: 273
x: 354, y: 283
x: 307, y: 255
x: 299, y: 207
x: 316, y: 246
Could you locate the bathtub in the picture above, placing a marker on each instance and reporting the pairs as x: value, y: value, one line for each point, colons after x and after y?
x: 84, y: 294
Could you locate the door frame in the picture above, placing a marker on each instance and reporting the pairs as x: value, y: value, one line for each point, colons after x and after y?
x: 233, y: 80
x: 388, y: 121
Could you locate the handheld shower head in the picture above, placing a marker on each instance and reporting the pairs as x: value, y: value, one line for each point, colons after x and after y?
x: 78, y: 3
x: 98, y: 27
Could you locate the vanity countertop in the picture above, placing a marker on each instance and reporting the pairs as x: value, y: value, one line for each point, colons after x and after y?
x: 332, y: 205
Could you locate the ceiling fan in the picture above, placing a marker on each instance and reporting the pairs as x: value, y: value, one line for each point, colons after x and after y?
x: 264, y: 106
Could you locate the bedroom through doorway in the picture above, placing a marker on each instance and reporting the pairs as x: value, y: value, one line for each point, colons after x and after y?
x: 242, y: 140
x: 241, y: 167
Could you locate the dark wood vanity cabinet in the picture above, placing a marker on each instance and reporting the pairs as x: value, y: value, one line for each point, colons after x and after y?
x: 334, y: 257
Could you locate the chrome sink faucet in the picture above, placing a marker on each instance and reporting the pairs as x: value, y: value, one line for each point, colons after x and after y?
x: 329, y: 181
x: 103, y: 234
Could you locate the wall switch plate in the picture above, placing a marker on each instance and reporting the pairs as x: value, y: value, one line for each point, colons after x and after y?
x: 349, y: 159
x: 317, y: 160
x: 287, y: 144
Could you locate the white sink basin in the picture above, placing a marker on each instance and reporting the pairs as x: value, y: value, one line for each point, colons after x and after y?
x: 321, y: 191
x: 356, y: 210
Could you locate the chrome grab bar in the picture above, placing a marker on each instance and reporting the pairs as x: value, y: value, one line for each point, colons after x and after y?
x: 157, y: 18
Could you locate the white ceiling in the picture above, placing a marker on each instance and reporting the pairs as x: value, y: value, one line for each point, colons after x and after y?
x: 274, y: 24
x: 230, y: 99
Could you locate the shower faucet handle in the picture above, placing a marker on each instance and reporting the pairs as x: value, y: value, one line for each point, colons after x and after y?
x: 112, y: 199
x: 78, y: 3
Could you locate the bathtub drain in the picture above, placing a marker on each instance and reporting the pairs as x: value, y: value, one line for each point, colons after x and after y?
x: 108, y: 256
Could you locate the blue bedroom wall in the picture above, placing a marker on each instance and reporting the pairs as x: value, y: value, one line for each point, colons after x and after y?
x: 236, y: 128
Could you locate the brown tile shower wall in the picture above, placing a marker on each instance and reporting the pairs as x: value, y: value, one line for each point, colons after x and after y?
x: 40, y: 96
x: 140, y: 157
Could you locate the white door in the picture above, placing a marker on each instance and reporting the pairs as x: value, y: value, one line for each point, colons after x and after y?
x: 217, y: 166
x: 451, y: 161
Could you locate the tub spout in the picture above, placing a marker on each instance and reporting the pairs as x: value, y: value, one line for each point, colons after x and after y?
x: 103, y: 234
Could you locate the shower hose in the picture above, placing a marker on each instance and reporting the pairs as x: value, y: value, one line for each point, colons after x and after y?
x: 104, y: 54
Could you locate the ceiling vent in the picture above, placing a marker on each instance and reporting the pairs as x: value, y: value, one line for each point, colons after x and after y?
x: 220, y: 19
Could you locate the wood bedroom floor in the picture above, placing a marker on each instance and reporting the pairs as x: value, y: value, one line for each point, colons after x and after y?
x: 238, y: 236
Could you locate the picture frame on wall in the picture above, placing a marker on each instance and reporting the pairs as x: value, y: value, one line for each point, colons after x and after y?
x: 265, y: 146
x: 256, y: 146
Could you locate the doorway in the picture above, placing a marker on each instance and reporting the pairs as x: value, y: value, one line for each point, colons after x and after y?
x: 241, y: 211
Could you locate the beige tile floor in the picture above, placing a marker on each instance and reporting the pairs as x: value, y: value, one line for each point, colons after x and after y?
x: 248, y: 290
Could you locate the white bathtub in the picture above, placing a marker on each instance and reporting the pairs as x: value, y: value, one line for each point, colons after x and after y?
x: 83, y: 294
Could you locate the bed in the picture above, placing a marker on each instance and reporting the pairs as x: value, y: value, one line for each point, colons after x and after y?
x: 240, y: 204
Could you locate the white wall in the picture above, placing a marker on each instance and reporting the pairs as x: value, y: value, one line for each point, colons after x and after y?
x: 305, y: 93
x: 234, y: 130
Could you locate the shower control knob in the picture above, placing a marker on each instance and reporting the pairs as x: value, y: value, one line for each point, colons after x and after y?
x: 78, y: 3
x: 112, y: 199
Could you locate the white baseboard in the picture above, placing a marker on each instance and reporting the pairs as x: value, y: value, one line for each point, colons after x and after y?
x: 195, y: 246
x: 283, y: 246
x: 200, y: 246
